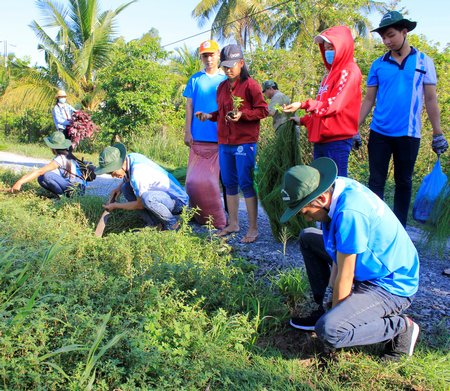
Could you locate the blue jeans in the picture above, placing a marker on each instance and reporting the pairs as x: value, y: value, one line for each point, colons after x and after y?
x: 59, y: 185
x: 369, y: 315
x: 404, y: 151
x: 336, y: 150
x: 160, y: 208
x: 237, y: 163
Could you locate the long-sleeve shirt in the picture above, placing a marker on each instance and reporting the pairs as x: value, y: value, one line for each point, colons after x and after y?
x: 62, y: 113
x: 253, y: 108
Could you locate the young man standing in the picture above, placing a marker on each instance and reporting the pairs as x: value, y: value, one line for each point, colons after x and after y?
x: 202, y: 177
x: 399, y: 82
x: 374, y: 265
x: 277, y: 98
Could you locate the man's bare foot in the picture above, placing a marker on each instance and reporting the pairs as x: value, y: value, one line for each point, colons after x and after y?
x: 250, y: 236
x: 229, y: 229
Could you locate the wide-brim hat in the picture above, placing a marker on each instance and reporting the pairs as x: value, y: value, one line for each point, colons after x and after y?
x: 393, y: 18
x: 230, y: 55
x: 57, y: 140
x: 61, y: 94
x: 303, y: 184
x: 111, y: 159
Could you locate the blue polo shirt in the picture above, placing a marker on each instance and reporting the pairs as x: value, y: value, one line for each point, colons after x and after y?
x: 362, y: 224
x: 202, y: 89
x: 145, y: 175
x: 399, y: 99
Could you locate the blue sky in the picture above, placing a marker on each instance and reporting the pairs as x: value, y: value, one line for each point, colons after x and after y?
x: 174, y: 22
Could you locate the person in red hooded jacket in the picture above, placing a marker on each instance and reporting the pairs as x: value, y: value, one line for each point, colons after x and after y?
x: 332, y: 119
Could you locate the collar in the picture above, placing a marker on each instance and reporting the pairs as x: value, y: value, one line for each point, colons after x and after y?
x: 339, y: 186
x: 388, y: 58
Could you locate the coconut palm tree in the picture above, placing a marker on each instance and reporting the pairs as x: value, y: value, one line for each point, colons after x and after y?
x: 242, y: 20
x: 81, y: 47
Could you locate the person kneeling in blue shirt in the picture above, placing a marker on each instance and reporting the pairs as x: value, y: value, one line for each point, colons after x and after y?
x: 362, y: 266
x: 146, y: 186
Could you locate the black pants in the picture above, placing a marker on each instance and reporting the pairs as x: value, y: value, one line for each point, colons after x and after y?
x: 404, y: 151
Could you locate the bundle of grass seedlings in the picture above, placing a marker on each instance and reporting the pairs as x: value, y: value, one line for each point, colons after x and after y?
x: 438, y: 226
x: 276, y: 154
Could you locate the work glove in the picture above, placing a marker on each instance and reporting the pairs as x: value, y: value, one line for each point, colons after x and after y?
x: 327, y: 301
x: 439, y: 144
x: 357, y: 142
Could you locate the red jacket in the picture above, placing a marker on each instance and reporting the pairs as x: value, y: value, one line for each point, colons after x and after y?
x: 334, y: 114
x: 253, y: 108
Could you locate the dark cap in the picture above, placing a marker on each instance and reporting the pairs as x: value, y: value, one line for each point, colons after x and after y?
x: 230, y: 55
x: 395, y: 18
x: 268, y: 84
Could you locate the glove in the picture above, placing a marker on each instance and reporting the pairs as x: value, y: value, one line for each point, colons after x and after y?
x: 327, y: 298
x: 357, y: 142
x: 439, y: 144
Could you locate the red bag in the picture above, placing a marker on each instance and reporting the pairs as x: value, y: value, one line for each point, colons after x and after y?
x: 202, y: 183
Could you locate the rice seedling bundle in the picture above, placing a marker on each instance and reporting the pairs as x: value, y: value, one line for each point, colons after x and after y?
x: 277, y: 153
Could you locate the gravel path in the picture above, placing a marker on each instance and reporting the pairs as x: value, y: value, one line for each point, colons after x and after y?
x: 431, y: 304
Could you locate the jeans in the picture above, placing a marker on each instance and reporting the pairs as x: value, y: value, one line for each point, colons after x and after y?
x: 369, y: 315
x: 404, y: 151
x: 160, y: 208
x: 336, y: 150
x: 59, y: 185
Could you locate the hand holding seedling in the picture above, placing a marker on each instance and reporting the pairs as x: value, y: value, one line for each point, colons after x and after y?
x: 233, y: 116
x: 111, y: 206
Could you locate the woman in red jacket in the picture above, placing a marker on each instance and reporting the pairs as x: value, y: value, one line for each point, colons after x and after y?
x: 241, y: 106
x: 332, y: 118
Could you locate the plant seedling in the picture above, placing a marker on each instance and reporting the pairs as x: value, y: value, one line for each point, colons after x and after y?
x: 237, y: 104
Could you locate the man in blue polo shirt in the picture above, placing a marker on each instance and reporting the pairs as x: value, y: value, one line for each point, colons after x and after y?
x: 202, y: 177
x: 362, y: 266
x: 399, y: 81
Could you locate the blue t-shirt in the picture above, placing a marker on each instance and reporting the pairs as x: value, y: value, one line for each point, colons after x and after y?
x: 202, y: 89
x: 399, y: 99
x: 362, y: 224
x: 145, y: 175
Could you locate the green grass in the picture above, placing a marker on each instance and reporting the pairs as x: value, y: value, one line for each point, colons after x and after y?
x: 160, y: 310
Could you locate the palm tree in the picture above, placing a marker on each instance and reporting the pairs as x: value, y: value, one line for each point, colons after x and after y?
x: 81, y: 47
x: 243, y: 20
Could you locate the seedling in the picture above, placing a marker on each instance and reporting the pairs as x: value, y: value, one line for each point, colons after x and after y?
x: 237, y: 104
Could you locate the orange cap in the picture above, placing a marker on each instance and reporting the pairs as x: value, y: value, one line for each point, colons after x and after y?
x: 209, y: 47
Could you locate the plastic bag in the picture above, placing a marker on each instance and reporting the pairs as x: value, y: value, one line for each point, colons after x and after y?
x: 428, y: 193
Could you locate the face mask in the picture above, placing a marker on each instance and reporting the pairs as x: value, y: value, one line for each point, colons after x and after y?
x: 62, y: 100
x: 329, y: 56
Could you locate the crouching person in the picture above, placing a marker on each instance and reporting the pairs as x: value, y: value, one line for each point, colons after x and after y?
x: 362, y: 266
x: 146, y: 186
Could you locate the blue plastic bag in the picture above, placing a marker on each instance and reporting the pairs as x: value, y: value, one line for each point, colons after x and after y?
x: 428, y: 193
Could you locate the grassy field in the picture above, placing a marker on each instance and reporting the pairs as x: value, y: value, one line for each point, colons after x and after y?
x: 161, y: 310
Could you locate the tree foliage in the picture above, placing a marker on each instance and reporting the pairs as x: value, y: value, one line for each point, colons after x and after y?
x: 139, y: 89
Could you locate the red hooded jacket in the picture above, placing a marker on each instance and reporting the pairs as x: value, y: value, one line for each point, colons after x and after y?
x: 334, y: 114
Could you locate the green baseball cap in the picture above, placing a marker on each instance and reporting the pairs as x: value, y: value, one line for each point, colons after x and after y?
x: 57, y: 140
x: 268, y: 84
x: 111, y: 159
x: 395, y: 18
x: 303, y: 184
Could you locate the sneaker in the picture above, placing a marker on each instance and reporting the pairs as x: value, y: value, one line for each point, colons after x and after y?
x: 307, y: 323
x: 404, y: 343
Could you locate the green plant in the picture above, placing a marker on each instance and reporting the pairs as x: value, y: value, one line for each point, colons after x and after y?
x: 293, y: 285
